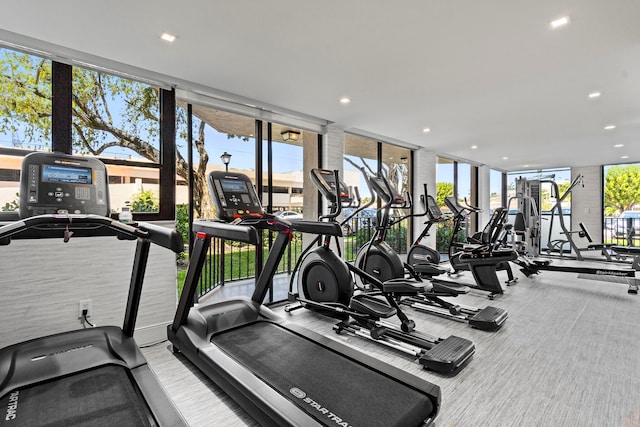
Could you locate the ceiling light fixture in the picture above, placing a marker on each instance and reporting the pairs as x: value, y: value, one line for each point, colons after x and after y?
x: 594, y: 95
x: 290, y: 135
x: 560, y: 22
x: 618, y: 145
x: 168, y: 37
x: 426, y: 130
x: 609, y: 127
x: 473, y: 147
x: 505, y: 158
x: 624, y: 157
x: 345, y: 100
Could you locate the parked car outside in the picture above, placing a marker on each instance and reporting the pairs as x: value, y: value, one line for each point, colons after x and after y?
x: 364, y: 219
x: 288, y: 215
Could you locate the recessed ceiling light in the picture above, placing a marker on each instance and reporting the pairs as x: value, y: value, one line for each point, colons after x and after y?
x: 426, y: 130
x: 594, y: 95
x: 624, y: 157
x: 168, y: 37
x: 560, y: 22
x: 609, y: 127
x: 618, y: 145
x: 473, y: 147
x: 505, y: 158
x: 526, y: 166
x: 345, y: 100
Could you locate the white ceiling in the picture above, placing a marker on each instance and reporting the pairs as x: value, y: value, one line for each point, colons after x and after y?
x: 488, y: 73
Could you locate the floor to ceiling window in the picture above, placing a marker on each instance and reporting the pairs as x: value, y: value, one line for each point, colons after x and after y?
x: 497, y: 195
x: 25, y: 117
x: 459, y: 180
x: 621, y: 191
x: 48, y: 105
x: 547, y: 200
x: 119, y: 119
x: 368, y: 156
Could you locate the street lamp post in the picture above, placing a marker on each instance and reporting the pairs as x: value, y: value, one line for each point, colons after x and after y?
x: 226, y: 158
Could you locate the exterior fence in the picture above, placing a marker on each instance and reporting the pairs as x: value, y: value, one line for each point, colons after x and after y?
x: 232, y: 261
x: 621, y: 231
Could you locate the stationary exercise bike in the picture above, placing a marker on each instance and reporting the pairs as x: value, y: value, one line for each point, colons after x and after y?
x: 483, y: 257
x: 325, y: 285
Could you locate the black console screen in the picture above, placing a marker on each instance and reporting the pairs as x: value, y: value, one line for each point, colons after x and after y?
x: 66, y: 174
x: 233, y: 186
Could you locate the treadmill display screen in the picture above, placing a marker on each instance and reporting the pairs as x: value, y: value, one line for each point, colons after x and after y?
x: 233, y: 186
x: 66, y: 174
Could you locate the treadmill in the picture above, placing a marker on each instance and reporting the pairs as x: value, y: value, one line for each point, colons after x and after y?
x: 84, y: 377
x: 281, y: 373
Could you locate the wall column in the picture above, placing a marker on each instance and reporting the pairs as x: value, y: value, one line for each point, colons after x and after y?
x: 484, y: 195
x: 586, y: 202
x: 424, y: 171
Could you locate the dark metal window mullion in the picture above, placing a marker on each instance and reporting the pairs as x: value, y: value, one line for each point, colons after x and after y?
x: 61, y: 107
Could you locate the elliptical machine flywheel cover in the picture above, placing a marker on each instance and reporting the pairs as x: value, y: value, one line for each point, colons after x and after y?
x: 325, y: 278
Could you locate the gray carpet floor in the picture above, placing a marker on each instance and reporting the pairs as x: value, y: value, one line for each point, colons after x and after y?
x: 569, y: 355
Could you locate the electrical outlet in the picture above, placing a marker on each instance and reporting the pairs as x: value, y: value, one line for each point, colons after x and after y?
x: 84, y: 304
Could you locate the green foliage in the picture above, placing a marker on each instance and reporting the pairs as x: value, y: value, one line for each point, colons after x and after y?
x: 25, y: 96
x: 236, y: 263
x: 443, y: 236
x: 145, y: 201
x: 242, y: 137
x: 25, y: 105
x: 622, y: 189
x: 443, y: 190
x: 182, y: 221
x: 13, y: 205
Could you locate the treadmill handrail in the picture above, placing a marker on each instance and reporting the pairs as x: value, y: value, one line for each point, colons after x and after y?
x: 158, y: 235
x: 245, y: 231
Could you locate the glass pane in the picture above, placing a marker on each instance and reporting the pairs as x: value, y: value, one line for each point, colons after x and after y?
x: 25, y: 116
x: 135, y: 187
x: 444, y: 189
x: 288, y: 172
x: 114, y: 117
x: 495, y: 189
x: 359, y: 152
x: 622, y: 204
x: 117, y: 118
x: 550, y: 230
x: 215, y: 133
x: 396, y: 163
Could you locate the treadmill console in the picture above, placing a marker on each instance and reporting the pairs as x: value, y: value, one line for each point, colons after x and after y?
x: 55, y: 183
x: 234, y: 196
x: 325, y: 180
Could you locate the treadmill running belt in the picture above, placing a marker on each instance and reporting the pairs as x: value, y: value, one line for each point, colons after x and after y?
x: 333, y: 389
x: 103, y: 396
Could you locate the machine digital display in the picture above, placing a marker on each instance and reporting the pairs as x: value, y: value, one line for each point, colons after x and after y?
x: 233, y: 186
x: 66, y: 174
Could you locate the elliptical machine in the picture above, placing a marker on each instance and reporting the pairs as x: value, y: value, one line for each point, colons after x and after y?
x: 378, y: 259
x: 325, y: 285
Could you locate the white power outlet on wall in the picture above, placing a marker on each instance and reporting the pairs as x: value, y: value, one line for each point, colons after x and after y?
x: 84, y: 304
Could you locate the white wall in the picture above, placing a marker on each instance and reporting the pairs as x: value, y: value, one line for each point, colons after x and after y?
x: 43, y: 281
